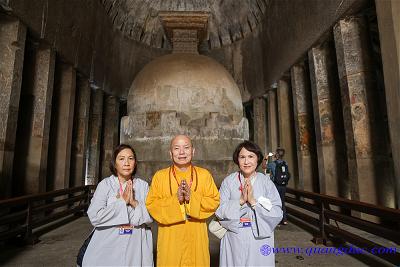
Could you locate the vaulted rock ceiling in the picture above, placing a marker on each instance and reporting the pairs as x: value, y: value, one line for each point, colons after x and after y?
x: 228, y: 20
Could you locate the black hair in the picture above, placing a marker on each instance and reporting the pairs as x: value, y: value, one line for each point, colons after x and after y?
x: 250, y: 146
x: 115, y: 153
x: 280, y: 152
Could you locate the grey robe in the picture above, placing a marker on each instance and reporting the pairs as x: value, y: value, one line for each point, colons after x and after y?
x: 248, y: 246
x: 106, y: 212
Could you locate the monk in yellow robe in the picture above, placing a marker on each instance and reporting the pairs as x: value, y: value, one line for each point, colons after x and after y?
x: 180, y: 199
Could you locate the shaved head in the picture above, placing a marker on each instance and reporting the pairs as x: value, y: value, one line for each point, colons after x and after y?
x: 181, y: 151
x: 179, y: 137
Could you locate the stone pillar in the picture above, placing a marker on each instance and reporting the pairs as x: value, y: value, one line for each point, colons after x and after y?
x: 304, y: 128
x: 365, y: 150
x: 287, y: 138
x: 62, y: 125
x: 95, y: 126
x: 259, y: 110
x: 110, y: 137
x: 389, y: 33
x: 329, y: 131
x: 80, y: 133
x: 34, y: 123
x: 272, y: 120
x: 12, y: 45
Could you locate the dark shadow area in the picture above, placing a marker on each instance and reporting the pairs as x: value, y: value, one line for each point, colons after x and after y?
x: 12, y: 248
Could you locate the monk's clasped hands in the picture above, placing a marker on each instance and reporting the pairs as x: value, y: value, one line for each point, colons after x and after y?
x: 183, y: 192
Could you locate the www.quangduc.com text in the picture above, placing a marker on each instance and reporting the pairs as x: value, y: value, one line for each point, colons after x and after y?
x: 338, y: 251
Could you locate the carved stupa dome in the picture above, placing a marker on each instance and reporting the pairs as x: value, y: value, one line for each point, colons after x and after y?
x: 190, y: 84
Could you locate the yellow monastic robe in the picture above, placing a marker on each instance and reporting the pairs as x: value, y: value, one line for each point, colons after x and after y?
x: 181, y: 241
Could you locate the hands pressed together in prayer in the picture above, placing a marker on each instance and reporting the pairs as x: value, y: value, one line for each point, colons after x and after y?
x: 129, y: 195
x: 247, y: 194
x: 183, y: 192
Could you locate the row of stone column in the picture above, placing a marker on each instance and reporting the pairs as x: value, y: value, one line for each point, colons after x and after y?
x: 340, y: 143
x: 55, y: 129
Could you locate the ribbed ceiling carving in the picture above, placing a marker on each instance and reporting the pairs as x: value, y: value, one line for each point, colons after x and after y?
x: 229, y: 20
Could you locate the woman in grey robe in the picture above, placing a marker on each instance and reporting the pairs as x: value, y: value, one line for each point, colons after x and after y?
x: 250, y: 209
x: 118, y: 213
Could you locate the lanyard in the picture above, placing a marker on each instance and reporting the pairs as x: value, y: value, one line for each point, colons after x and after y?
x: 121, y: 190
x: 171, y: 169
x: 191, y: 176
x: 240, y: 181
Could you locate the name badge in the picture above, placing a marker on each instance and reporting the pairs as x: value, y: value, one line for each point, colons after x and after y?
x: 125, y: 230
x: 244, y: 222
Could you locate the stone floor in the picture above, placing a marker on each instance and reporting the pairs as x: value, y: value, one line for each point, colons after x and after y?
x: 59, y: 248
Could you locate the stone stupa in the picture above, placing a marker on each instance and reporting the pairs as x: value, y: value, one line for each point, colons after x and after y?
x: 184, y: 93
